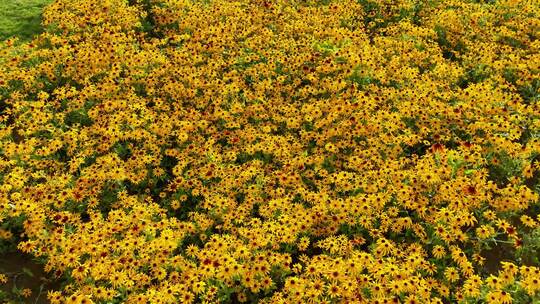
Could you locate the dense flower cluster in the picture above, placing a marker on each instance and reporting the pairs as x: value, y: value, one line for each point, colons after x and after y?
x: 288, y: 151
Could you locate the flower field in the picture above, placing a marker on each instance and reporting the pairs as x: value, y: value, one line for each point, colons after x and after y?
x: 285, y: 151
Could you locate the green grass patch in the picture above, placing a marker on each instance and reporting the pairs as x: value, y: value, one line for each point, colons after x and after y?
x: 21, y: 18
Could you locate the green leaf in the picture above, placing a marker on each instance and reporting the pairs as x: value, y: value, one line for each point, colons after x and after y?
x: 469, y: 172
x: 28, y: 272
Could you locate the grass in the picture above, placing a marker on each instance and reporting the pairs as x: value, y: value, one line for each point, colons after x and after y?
x: 21, y: 18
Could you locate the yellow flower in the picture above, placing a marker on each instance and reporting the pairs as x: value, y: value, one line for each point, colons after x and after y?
x: 330, y: 147
x: 528, y: 221
x: 333, y: 290
x: 485, y: 232
x: 438, y: 251
x: 199, y: 287
x: 26, y: 292
x: 451, y: 274
x: 499, y: 296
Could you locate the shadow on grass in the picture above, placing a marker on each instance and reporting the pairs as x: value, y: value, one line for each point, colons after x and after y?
x: 23, y: 272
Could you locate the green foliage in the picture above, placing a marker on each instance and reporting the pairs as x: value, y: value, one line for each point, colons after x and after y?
x: 476, y: 74
x: 528, y: 252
